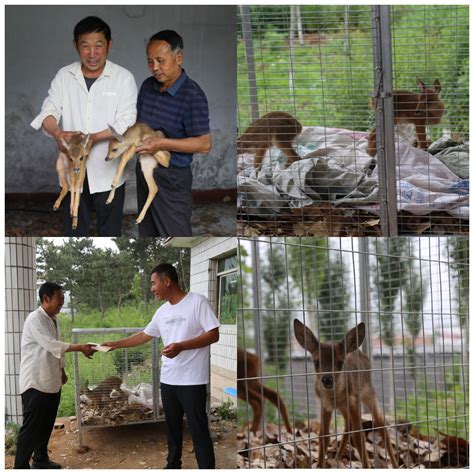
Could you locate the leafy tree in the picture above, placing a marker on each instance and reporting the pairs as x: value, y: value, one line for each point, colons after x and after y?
x: 333, y: 300
x: 414, y: 294
x: 307, y: 263
x: 276, y: 321
x: 458, y: 252
x: 389, y: 275
x: 63, y: 264
x: 146, y: 253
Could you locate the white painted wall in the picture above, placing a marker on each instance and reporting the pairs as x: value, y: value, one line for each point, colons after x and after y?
x: 204, y: 257
x: 20, y: 300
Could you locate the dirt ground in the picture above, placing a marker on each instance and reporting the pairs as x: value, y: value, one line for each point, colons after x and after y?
x: 133, y: 447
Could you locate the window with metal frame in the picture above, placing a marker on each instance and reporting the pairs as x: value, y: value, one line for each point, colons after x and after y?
x: 227, y: 289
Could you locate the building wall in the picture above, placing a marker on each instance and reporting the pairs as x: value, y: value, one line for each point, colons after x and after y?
x: 203, y: 280
x: 20, y: 300
x: 209, y: 34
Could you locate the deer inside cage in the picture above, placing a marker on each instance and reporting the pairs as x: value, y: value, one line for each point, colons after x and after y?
x: 353, y: 353
x: 353, y: 120
x: 116, y: 388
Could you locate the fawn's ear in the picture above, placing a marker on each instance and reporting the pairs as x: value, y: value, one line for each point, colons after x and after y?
x: 305, y: 337
x: 353, y: 339
x: 420, y: 84
x: 115, y: 134
x: 437, y: 86
x: 65, y: 143
x: 86, y: 141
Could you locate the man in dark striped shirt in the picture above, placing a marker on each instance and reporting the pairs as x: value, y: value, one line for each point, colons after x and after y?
x: 171, y: 102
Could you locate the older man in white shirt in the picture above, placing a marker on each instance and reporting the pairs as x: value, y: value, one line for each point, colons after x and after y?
x: 41, y: 377
x: 86, y: 97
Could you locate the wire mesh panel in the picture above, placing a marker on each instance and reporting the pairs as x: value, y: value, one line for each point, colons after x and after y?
x: 353, y: 352
x: 119, y: 387
x: 321, y: 167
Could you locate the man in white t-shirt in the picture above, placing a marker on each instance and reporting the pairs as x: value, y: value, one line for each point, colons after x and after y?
x: 86, y: 96
x: 188, y: 326
x: 41, y: 377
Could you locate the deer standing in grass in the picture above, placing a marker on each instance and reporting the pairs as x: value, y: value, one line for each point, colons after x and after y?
x: 274, y: 128
x: 254, y: 392
x: 73, y: 166
x: 125, y: 146
x: 422, y: 109
x: 342, y: 383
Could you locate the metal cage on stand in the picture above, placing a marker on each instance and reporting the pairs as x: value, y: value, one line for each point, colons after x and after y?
x: 410, y: 293
x: 323, y: 65
x: 116, y: 388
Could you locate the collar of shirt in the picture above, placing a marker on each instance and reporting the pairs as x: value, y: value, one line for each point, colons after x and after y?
x: 76, y: 70
x: 175, y: 87
x: 53, y: 318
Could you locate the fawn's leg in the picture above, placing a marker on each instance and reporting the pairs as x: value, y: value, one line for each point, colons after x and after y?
x: 126, y: 157
x: 273, y: 396
x: 323, y: 437
x: 358, y: 436
x: 78, y: 185
x: 163, y: 158
x: 372, y: 146
x: 252, y: 396
x: 345, y: 436
x: 287, y: 148
x: 72, y: 189
x: 421, y: 137
x: 148, y: 164
x: 379, y: 423
x: 259, y: 155
x: 62, y: 168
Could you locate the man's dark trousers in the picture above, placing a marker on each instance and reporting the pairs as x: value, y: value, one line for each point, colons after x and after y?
x: 109, y: 216
x: 191, y: 401
x: 39, y: 413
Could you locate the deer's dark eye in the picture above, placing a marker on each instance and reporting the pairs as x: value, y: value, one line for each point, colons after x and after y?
x: 81, y: 158
x: 316, y: 364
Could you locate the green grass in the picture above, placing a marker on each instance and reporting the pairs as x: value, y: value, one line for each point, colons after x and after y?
x: 332, y: 83
x: 104, y: 365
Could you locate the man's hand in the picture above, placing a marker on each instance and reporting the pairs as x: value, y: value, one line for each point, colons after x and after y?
x: 151, y: 145
x: 172, y: 350
x: 64, y: 378
x: 60, y: 135
x: 87, y: 350
x: 112, y: 344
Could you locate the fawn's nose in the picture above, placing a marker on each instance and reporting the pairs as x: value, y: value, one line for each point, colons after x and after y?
x: 327, y: 381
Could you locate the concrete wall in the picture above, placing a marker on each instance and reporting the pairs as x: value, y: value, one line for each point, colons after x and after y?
x: 203, y: 280
x: 38, y: 41
x: 20, y: 300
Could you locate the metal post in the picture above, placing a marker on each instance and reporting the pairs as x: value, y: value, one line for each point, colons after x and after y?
x: 364, y: 292
x: 256, y: 296
x: 155, y: 377
x: 250, y: 57
x: 382, y: 44
x: 77, y: 391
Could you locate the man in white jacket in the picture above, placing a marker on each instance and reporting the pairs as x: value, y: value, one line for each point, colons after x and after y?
x: 41, y: 377
x: 86, y: 97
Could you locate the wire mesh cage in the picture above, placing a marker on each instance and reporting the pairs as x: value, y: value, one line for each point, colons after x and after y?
x: 353, y: 352
x: 119, y: 387
x: 374, y: 136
